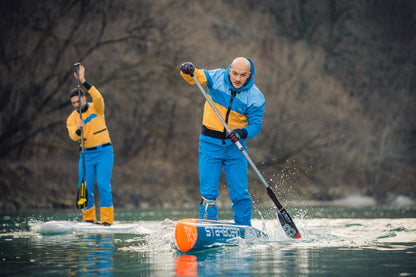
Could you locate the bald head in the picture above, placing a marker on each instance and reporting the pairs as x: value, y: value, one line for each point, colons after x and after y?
x: 240, y: 71
x: 241, y: 63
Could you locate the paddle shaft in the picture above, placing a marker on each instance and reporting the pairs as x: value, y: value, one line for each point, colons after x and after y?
x: 284, y: 217
x: 80, y: 116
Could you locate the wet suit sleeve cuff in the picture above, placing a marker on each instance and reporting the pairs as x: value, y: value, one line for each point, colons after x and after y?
x: 87, y: 85
x: 78, y: 132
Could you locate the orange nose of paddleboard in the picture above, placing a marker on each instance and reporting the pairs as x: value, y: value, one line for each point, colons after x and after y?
x: 186, y: 234
x: 298, y: 236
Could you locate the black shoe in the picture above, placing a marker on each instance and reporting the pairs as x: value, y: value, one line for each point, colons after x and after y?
x: 106, y: 224
x: 89, y: 221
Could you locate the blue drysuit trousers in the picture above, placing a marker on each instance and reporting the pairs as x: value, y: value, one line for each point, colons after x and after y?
x: 214, y: 157
x: 98, y: 167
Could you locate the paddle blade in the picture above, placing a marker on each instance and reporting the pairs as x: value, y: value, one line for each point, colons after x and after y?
x: 82, y: 196
x: 288, y: 225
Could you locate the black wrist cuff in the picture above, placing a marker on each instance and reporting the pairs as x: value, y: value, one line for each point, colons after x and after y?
x: 244, y: 133
x: 87, y: 85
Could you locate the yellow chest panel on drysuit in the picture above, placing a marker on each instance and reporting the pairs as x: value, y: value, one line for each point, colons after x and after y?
x: 95, y: 129
x: 211, y: 121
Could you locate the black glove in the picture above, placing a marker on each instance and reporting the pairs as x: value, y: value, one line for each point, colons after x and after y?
x: 236, y: 134
x: 187, y: 68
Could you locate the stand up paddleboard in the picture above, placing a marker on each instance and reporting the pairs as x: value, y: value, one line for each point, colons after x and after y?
x: 198, y: 234
x: 62, y: 227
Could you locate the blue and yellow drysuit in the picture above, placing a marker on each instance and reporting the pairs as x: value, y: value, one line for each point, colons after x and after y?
x: 99, y: 155
x: 241, y: 108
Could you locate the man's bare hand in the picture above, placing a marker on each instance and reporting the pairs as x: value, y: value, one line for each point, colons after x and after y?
x: 81, y: 74
x: 80, y: 123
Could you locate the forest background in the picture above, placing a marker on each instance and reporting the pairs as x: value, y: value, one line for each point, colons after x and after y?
x: 338, y: 77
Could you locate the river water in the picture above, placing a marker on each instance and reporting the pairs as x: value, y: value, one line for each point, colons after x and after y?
x: 336, y: 241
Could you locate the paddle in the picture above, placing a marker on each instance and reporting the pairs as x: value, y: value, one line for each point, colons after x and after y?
x: 82, y: 196
x: 287, y: 223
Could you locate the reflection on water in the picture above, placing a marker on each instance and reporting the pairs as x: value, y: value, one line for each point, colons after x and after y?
x: 214, y: 263
x: 237, y: 261
x: 186, y: 265
x: 271, y: 261
x: 95, y: 255
x: 74, y: 255
x: 330, y: 246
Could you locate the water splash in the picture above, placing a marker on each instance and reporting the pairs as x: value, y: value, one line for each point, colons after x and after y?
x: 160, y: 239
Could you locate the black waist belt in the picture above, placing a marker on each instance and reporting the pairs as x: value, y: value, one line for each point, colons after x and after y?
x: 212, y: 133
x: 99, y: 146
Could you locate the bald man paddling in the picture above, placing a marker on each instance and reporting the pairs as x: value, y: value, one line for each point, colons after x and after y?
x: 241, y: 105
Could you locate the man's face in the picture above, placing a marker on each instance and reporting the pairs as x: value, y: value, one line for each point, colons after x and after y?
x: 239, y: 73
x: 75, y: 102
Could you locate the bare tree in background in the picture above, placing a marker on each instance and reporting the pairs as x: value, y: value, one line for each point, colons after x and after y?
x: 337, y: 75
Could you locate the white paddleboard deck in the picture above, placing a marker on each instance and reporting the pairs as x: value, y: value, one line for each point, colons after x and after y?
x: 62, y: 227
